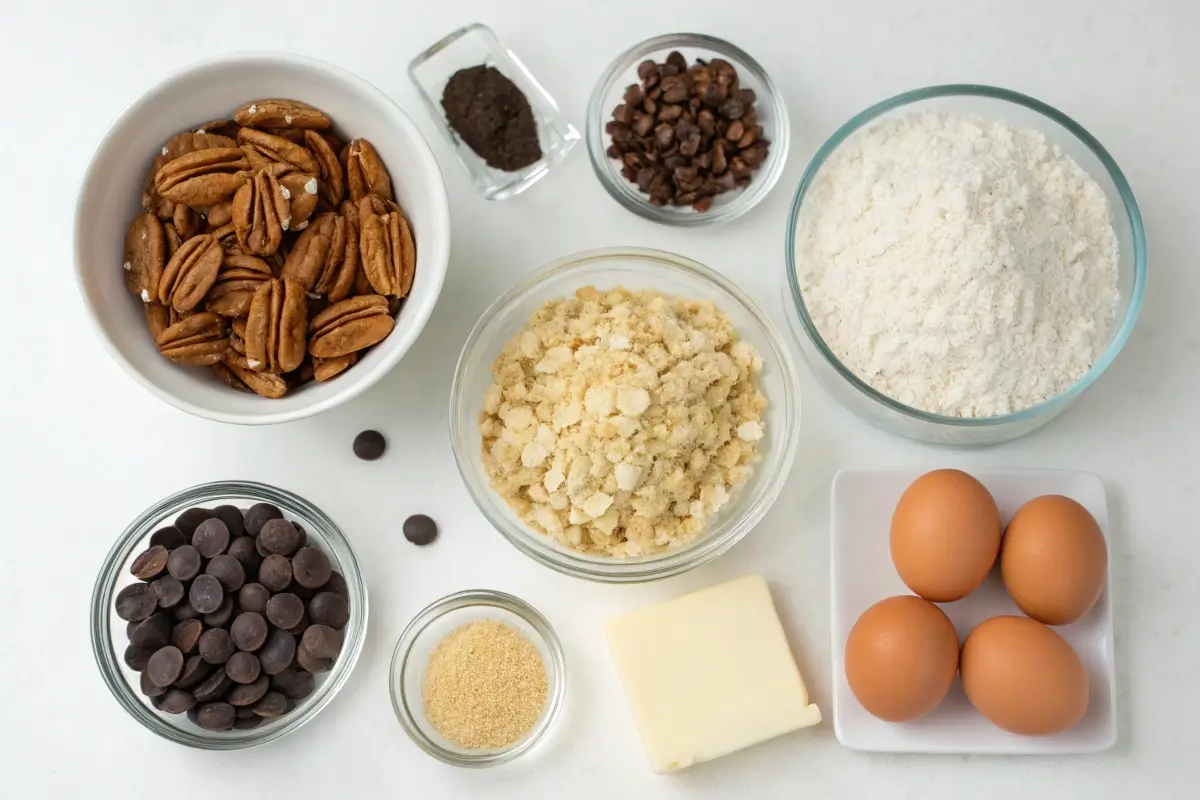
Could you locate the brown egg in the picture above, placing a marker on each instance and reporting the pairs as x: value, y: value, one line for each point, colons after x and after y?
x: 1023, y: 676
x: 945, y: 535
x: 1054, y: 559
x: 901, y: 656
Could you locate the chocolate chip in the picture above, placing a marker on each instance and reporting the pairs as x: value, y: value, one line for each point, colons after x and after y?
x: 294, y: 683
x: 275, y: 572
x: 272, y: 704
x: 321, y: 641
x: 369, y: 445
x: 211, y: 538
x: 216, y: 716
x: 195, y: 669
x: 154, y: 631
x: 177, y: 701
x: 311, y: 567
x: 206, y: 594
x: 253, y: 597
x: 258, y: 515
x: 228, y: 571
x: 216, y: 645
x: 280, y: 536
x: 184, y: 563
x: 311, y: 663
x: 233, y: 518
x: 243, y: 667
x: 249, y: 631
x: 244, y: 712
x: 302, y: 625
x: 245, y: 551
x: 148, y: 686
x: 223, y: 615
x: 420, y: 529
x: 165, y: 666
x: 168, y: 590
x: 329, y: 609
x: 136, y: 602
x: 337, y: 584
x: 278, y: 652
x: 150, y: 563
x: 212, y: 687
x: 189, y: 520
x: 136, y: 658
x: 184, y: 611
x: 260, y: 547
x: 285, y: 610
x: 247, y: 694
x: 186, y: 635
x: 247, y: 723
x: 168, y: 537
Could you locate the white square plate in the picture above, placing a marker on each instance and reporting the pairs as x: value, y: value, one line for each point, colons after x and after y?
x: 863, y: 574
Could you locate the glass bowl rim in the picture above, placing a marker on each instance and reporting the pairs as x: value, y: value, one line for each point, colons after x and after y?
x: 764, y: 181
x: 860, y: 120
x: 476, y: 598
x: 709, y: 546
x: 105, y: 651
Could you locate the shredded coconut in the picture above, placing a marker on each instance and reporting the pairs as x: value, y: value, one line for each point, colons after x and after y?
x: 958, y: 265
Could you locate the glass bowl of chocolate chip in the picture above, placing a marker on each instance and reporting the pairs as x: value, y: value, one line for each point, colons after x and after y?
x: 228, y: 615
x: 687, y: 129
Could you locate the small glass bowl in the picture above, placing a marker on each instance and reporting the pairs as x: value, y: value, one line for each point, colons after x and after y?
x: 632, y: 268
x: 108, y: 630
x: 772, y: 116
x: 472, y: 46
x: 1017, y: 110
x: 422, y: 635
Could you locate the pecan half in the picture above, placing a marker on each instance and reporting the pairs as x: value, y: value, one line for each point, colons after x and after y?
x: 237, y: 336
x: 266, y: 384
x: 174, y: 240
x: 279, y: 113
x: 227, y: 376
x: 200, y: 340
x: 219, y: 214
x: 265, y: 149
x: 388, y: 254
x: 239, y: 277
x: 324, y: 259
x: 300, y: 190
x: 349, y: 326
x: 203, y: 178
x: 186, y: 221
x: 276, y: 327
x: 349, y: 210
x: 158, y: 319
x: 260, y: 214
x: 326, y: 368
x: 190, y: 273
x: 179, y: 145
x: 220, y: 127
x: 365, y: 171
x: 333, y: 187
x: 145, y: 254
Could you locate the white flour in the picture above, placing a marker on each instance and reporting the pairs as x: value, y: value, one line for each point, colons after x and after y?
x: 958, y: 265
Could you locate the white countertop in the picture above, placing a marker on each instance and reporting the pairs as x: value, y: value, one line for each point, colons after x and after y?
x: 85, y: 448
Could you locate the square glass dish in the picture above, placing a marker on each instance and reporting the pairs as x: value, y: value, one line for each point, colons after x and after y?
x: 862, y: 574
x: 476, y: 45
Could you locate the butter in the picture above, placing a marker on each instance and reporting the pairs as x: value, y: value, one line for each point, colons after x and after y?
x: 709, y: 673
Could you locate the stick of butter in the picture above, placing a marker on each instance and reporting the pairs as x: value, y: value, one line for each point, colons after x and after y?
x: 709, y: 673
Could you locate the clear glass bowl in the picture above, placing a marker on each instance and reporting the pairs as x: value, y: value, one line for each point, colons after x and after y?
x: 772, y: 115
x: 108, y: 630
x: 1017, y: 110
x: 632, y: 268
x: 422, y: 635
x: 469, y: 47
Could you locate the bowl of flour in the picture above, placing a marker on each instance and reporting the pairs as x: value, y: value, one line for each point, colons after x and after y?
x: 964, y: 261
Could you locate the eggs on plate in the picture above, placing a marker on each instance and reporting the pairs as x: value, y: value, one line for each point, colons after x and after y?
x: 946, y: 537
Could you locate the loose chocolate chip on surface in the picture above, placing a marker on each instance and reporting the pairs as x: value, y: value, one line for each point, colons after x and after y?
x: 216, y: 645
x: 311, y: 567
x: 249, y: 631
x: 228, y: 571
x: 169, y: 537
x: 189, y: 520
x: 216, y: 716
x: 168, y: 590
x: 280, y: 536
x: 233, y: 518
x: 285, y: 610
x: 258, y: 515
x: 253, y: 597
x: 165, y: 666
x: 206, y: 594
x: 136, y: 602
x: 150, y: 563
x: 329, y: 609
x: 420, y: 529
x: 184, y: 563
x: 211, y: 538
x: 275, y: 572
x: 369, y: 445
x: 243, y: 667
x: 278, y: 652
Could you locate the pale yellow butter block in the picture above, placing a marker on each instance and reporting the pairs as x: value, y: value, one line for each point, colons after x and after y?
x: 709, y: 673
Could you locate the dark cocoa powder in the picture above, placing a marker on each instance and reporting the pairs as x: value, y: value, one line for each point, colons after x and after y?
x: 492, y: 115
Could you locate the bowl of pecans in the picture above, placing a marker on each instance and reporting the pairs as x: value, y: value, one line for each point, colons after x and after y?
x: 687, y: 129
x: 261, y: 237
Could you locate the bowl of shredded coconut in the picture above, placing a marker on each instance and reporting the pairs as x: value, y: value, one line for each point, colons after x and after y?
x: 963, y: 261
x: 624, y: 414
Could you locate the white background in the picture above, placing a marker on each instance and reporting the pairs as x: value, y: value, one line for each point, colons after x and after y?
x: 84, y: 449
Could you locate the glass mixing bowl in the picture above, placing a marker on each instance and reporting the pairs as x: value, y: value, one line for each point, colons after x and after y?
x: 1019, y: 111
x: 108, y: 630
x: 631, y: 268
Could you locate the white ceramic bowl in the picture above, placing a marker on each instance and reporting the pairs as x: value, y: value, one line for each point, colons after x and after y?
x: 110, y: 196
